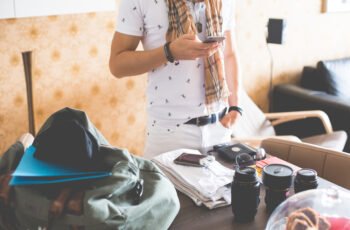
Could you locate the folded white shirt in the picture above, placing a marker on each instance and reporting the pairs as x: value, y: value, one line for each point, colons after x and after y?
x: 204, y: 185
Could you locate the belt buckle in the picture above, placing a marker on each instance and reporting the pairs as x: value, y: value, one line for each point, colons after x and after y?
x: 197, y: 121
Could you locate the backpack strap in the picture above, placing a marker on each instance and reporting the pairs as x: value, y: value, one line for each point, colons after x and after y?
x: 7, y: 217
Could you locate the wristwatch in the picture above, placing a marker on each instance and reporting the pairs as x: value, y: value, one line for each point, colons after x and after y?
x: 169, y: 56
x: 235, y: 108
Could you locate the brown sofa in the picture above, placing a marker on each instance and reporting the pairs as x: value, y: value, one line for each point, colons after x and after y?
x: 324, y: 87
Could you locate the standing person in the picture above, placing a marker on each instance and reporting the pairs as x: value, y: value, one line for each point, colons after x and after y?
x: 192, y: 91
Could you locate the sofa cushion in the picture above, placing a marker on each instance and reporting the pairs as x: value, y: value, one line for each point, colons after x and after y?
x: 311, y: 80
x: 335, y: 74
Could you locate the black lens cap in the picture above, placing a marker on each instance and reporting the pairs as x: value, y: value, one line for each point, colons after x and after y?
x: 306, y: 175
x: 277, y: 176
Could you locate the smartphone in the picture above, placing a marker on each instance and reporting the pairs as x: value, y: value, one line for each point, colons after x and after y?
x: 189, y: 159
x: 214, y: 39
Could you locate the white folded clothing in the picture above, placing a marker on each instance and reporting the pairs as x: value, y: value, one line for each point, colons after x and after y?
x: 207, y: 185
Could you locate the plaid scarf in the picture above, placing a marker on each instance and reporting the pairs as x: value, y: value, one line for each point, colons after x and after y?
x: 181, y: 22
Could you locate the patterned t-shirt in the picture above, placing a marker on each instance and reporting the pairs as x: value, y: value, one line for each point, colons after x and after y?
x: 175, y: 91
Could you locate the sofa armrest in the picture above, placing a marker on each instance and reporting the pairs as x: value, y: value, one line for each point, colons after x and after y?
x: 256, y: 141
x: 288, y: 97
x: 282, y: 117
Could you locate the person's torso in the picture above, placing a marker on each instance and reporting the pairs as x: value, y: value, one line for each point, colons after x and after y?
x: 175, y: 91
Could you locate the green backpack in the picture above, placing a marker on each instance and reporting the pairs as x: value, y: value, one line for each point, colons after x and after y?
x: 108, y: 203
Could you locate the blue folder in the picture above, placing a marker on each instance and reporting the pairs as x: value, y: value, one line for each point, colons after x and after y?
x: 34, y: 171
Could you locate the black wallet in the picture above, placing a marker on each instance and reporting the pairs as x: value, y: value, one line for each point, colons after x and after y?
x: 230, y: 152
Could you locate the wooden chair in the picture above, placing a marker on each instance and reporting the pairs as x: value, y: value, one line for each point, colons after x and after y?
x: 254, y: 126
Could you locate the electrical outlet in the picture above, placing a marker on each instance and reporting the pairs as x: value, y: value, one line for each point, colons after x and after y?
x: 275, y: 30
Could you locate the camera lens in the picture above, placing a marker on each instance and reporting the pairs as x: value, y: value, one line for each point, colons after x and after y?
x: 277, y: 179
x: 305, y: 179
x: 245, y: 193
x: 244, y: 160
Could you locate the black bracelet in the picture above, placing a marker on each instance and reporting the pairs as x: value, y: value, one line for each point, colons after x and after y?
x: 235, y: 108
x: 169, y: 56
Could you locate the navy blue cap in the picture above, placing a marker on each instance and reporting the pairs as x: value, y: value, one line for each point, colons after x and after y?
x: 66, y: 143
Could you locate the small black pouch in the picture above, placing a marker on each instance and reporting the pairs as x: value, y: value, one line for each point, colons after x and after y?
x: 230, y: 152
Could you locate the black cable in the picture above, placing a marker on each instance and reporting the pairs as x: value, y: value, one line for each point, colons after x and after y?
x: 271, y: 78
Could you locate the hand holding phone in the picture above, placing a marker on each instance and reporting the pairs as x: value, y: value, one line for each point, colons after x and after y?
x: 212, y: 39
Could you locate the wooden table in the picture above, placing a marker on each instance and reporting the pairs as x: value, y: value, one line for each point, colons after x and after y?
x: 201, y: 218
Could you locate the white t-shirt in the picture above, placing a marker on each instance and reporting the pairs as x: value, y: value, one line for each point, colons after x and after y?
x: 175, y: 91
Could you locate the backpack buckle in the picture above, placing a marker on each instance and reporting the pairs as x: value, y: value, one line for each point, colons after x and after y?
x: 137, y: 191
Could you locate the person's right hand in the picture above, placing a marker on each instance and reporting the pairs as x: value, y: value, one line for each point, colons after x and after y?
x: 189, y: 47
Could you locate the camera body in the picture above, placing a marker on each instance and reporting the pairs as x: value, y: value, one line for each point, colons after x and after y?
x: 229, y: 152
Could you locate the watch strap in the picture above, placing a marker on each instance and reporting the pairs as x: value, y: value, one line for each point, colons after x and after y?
x: 235, y: 108
x: 169, y: 56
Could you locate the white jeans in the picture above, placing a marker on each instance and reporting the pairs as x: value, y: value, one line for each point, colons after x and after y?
x: 161, y: 140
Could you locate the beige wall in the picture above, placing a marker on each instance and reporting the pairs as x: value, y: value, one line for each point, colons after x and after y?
x: 71, y: 64
x: 310, y: 36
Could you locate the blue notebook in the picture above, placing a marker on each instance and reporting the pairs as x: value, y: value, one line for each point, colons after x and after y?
x: 34, y: 171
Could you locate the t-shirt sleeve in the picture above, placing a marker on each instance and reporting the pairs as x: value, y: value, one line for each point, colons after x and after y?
x: 228, y: 14
x: 130, y: 19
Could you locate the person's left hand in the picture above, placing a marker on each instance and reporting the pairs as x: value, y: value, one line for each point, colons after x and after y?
x: 229, y: 119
